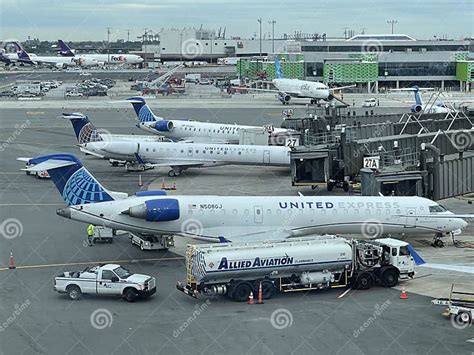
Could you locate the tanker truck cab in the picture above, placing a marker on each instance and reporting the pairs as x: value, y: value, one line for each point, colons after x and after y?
x: 397, y: 253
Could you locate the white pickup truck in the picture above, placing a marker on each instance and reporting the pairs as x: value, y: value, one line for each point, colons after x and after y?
x: 108, y: 279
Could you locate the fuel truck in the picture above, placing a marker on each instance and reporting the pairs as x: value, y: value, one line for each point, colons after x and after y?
x: 300, y: 264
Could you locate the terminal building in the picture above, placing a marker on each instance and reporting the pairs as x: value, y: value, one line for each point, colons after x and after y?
x: 378, y: 61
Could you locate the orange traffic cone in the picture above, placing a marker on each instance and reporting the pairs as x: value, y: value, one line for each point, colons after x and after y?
x: 12, y: 261
x: 163, y: 186
x: 260, y: 294
x: 251, y: 300
x: 404, y: 294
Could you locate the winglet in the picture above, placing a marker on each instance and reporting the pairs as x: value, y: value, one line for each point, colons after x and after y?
x: 418, y: 259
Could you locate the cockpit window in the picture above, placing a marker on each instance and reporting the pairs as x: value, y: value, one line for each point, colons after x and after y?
x: 437, y: 208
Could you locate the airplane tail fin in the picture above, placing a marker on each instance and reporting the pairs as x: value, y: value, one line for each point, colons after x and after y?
x: 84, y: 129
x: 74, y: 182
x: 418, y: 99
x: 279, y: 74
x: 65, y: 50
x: 23, y: 56
x: 416, y: 257
x: 142, y: 110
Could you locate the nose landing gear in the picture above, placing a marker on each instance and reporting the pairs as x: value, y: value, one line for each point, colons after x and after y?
x: 437, y: 241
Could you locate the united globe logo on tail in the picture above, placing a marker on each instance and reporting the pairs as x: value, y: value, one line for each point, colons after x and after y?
x: 82, y: 188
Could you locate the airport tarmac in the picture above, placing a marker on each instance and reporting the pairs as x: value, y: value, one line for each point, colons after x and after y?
x: 36, y: 320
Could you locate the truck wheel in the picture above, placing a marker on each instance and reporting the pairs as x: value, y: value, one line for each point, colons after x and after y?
x: 389, y: 278
x: 267, y: 289
x: 364, y: 281
x: 131, y: 295
x: 462, y: 318
x: 74, y: 292
x: 241, y: 292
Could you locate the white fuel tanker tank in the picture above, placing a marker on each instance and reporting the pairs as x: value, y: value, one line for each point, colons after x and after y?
x: 249, y: 260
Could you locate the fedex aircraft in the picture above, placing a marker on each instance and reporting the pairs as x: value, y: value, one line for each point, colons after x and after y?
x: 192, y: 131
x: 288, y: 88
x: 99, y: 59
x: 178, y: 156
x: 240, y: 218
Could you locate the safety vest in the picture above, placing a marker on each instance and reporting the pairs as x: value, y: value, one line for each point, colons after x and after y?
x: 90, y: 229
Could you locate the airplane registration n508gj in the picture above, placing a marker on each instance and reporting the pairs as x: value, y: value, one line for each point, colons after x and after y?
x: 240, y: 218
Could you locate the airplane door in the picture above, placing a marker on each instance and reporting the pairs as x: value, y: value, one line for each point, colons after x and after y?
x: 266, y: 157
x: 258, y: 214
x: 410, y: 218
x: 190, y: 151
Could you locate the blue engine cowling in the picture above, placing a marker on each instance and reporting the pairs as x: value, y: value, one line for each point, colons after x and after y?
x: 160, y: 210
x: 416, y: 108
x: 164, y: 126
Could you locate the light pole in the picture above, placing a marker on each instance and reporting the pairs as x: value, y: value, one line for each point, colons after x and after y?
x: 108, y: 45
x: 260, y: 22
x: 272, y: 22
x: 392, y: 23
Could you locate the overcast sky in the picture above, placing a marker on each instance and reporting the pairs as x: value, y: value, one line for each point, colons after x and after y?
x: 88, y: 19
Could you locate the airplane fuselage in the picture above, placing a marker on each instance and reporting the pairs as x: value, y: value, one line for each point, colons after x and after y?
x: 196, y: 131
x: 173, y: 154
x: 302, y: 88
x: 228, y: 216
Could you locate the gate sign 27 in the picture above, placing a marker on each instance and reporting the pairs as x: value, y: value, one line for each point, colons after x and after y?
x: 372, y: 162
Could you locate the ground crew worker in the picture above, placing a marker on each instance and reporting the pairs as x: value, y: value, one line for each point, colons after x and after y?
x: 90, y: 234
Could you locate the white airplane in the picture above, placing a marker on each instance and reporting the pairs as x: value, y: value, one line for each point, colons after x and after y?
x: 150, y: 153
x: 419, y: 106
x: 57, y: 62
x: 313, y: 90
x: 193, y: 131
x: 240, y: 218
x: 99, y: 59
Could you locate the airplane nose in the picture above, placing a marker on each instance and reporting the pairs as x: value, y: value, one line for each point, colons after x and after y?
x: 64, y: 212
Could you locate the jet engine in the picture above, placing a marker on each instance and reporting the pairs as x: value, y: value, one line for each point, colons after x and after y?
x: 164, y: 126
x: 416, y: 108
x: 161, y: 210
x: 284, y: 98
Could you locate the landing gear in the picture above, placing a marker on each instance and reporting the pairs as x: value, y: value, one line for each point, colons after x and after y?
x: 437, y: 241
x: 174, y: 173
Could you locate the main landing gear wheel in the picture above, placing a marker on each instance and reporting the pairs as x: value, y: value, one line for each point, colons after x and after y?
x: 173, y: 173
x: 437, y: 241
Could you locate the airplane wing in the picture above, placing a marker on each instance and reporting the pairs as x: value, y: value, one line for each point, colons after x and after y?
x: 49, y: 164
x: 188, y: 164
x: 342, y: 87
x: 291, y: 93
x: 86, y: 151
x: 447, y: 267
x: 438, y: 216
